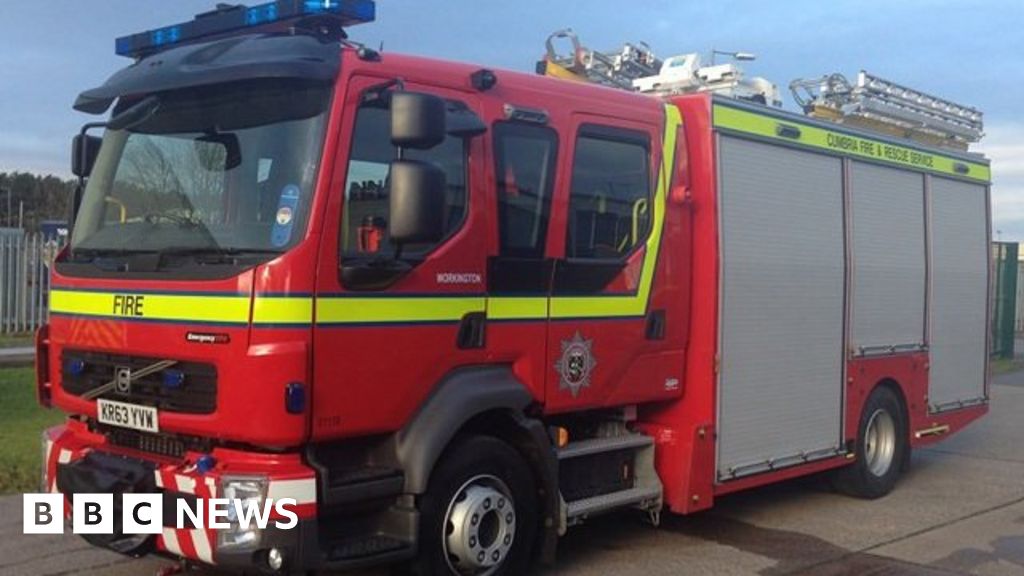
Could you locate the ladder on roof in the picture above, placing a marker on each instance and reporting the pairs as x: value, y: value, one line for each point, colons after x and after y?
x: 880, y: 105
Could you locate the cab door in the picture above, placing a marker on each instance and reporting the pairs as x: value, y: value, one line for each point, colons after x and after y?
x: 383, y: 339
x: 606, y: 344
x: 526, y: 159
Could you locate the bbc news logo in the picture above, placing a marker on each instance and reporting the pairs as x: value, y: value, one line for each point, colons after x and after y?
x: 144, y: 513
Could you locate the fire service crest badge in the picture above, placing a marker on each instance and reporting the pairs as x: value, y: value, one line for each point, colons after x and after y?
x: 576, y: 364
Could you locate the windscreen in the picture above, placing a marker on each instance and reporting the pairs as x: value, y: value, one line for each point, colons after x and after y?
x: 218, y: 170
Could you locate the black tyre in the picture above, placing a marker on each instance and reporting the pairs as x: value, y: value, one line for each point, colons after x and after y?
x: 881, y: 448
x: 479, y: 516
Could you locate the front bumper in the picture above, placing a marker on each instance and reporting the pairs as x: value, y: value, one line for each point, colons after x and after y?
x: 80, y: 461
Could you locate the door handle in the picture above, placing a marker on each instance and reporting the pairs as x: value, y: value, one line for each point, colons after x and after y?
x: 472, y: 331
x: 655, y: 329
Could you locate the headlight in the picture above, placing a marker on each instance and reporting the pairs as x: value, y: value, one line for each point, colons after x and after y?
x: 251, y: 491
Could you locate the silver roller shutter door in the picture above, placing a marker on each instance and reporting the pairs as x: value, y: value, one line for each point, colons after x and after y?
x: 782, y: 306
x: 888, y: 257
x: 959, y: 284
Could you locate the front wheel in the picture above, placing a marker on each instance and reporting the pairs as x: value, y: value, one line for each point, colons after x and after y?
x: 479, y: 515
x: 881, y: 448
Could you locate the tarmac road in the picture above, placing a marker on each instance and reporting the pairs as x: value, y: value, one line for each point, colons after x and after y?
x: 960, y: 510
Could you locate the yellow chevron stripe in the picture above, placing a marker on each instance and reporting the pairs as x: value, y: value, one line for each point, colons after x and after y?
x: 635, y: 305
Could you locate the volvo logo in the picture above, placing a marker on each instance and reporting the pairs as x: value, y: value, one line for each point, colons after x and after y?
x: 123, y: 380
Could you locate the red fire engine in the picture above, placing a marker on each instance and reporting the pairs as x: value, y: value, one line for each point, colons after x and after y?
x: 453, y: 311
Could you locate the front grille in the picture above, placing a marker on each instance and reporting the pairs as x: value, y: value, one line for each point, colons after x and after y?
x: 196, y: 393
x: 159, y: 444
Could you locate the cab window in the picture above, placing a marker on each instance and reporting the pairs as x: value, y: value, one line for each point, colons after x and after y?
x: 365, y: 214
x: 610, y: 196
x: 525, y: 167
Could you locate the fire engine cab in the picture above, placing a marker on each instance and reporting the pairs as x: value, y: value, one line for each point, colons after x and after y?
x: 454, y: 311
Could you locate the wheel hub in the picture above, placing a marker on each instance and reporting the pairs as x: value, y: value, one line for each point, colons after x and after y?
x: 880, y: 443
x: 479, y: 526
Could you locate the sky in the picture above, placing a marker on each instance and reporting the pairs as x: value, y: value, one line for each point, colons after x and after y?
x: 971, y: 52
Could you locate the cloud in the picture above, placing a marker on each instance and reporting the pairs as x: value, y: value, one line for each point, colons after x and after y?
x: 31, y: 152
x: 1004, y: 145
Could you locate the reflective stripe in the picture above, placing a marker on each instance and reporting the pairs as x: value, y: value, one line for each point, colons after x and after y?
x: 356, y: 310
x: 211, y: 487
x: 201, y: 542
x: 397, y: 310
x: 615, y: 306
x: 517, y: 308
x: 847, y: 144
x: 128, y: 305
x: 171, y: 542
x: 599, y: 306
x: 282, y: 310
x: 185, y: 484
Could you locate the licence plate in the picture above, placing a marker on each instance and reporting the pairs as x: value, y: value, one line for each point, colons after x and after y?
x: 126, y: 415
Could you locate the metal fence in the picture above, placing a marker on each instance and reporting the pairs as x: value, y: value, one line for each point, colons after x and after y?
x: 1019, y: 324
x: 25, y: 261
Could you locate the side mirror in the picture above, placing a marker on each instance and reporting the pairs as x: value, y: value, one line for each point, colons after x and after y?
x: 418, y: 120
x: 84, y: 150
x: 417, y: 202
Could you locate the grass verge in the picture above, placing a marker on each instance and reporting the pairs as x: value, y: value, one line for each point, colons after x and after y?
x: 16, y: 341
x: 21, y: 421
x: 1005, y: 365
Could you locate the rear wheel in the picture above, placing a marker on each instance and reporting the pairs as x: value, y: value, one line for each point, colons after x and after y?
x: 881, y: 448
x: 479, y: 515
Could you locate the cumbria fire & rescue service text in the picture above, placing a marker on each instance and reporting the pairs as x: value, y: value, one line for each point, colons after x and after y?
x: 144, y: 513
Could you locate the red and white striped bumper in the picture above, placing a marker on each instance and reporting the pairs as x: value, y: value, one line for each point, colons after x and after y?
x: 285, y: 474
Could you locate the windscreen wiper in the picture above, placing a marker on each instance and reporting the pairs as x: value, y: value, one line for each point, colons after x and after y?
x: 91, y: 254
x: 112, y: 259
x: 216, y: 254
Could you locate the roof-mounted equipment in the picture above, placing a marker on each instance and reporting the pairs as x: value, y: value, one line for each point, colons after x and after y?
x: 635, y: 67
x: 686, y: 74
x: 319, y: 17
x: 880, y: 105
x: 615, y: 69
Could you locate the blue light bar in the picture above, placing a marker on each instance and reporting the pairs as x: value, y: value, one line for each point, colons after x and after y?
x: 271, y: 17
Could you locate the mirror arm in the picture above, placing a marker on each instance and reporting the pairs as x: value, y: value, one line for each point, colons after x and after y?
x: 377, y: 91
x: 83, y: 158
x: 83, y: 151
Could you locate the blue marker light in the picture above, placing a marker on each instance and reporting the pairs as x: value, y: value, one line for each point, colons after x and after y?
x: 123, y: 45
x: 205, y: 463
x: 166, y: 35
x: 76, y: 367
x: 320, y: 5
x: 173, y: 379
x: 238, y: 19
x: 295, y: 398
x: 261, y: 14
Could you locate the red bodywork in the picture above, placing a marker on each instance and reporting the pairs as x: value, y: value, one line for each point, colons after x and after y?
x: 370, y: 379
